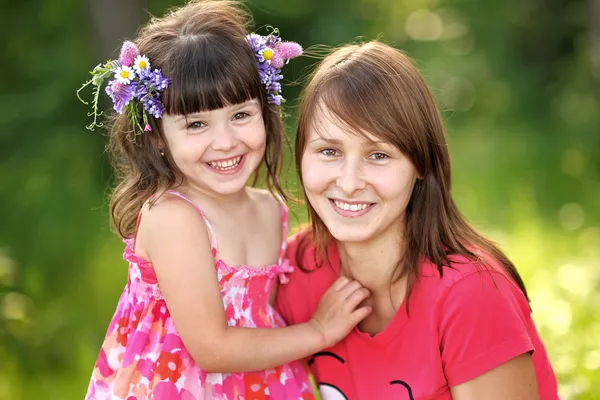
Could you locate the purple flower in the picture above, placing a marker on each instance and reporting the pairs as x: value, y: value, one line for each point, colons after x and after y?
x: 150, y: 86
x: 120, y: 94
x: 269, y: 68
x: 257, y: 42
x: 275, y: 99
x: 285, y: 51
x: 144, y: 85
x: 277, y: 61
x: 289, y: 50
x: 128, y: 53
x: 273, y: 41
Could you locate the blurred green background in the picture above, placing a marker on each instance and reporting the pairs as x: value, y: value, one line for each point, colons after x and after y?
x: 519, y: 83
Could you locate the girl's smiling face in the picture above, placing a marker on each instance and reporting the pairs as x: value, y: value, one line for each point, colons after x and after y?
x: 358, y: 185
x: 217, y: 150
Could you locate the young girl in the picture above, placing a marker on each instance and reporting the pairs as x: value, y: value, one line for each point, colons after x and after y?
x: 451, y: 318
x: 197, y: 102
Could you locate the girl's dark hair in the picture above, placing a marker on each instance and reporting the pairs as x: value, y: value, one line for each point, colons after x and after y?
x: 375, y: 88
x: 201, y: 48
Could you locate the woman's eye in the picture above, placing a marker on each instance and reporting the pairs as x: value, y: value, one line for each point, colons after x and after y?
x: 329, y: 152
x: 241, y: 115
x: 379, y: 156
x: 196, y: 125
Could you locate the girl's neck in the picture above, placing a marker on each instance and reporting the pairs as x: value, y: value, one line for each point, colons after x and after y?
x: 230, y: 202
x: 374, y: 263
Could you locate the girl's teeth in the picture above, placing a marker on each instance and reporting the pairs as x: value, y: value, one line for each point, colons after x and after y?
x: 351, y: 207
x: 226, y: 165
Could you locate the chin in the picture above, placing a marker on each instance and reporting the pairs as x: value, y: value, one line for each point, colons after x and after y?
x: 231, y: 187
x: 350, y: 235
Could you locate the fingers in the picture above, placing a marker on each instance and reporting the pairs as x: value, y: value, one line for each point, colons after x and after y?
x: 349, y: 291
x: 340, y: 283
x: 356, y: 296
x: 350, y: 287
x: 359, y: 314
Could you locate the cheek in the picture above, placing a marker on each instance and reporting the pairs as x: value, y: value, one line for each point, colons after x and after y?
x: 254, y: 135
x: 394, y: 186
x: 190, y: 149
x: 315, y: 175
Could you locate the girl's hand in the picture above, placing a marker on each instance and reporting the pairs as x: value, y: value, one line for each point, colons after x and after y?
x: 338, y: 310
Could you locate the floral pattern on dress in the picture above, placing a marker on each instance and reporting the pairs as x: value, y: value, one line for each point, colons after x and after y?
x: 143, y: 356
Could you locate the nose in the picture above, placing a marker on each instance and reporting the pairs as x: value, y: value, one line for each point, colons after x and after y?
x: 225, y: 139
x: 350, y: 178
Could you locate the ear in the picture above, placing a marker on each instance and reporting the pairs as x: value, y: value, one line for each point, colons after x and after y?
x: 162, y: 148
x: 418, y: 174
x: 159, y: 142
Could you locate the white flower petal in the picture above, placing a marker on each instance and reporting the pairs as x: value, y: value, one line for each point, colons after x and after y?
x: 140, y: 63
x: 124, y: 75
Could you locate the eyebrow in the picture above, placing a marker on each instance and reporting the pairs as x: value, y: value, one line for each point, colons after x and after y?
x: 332, y: 141
x: 338, y: 142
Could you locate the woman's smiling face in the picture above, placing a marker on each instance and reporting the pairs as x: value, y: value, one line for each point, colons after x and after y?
x: 358, y: 185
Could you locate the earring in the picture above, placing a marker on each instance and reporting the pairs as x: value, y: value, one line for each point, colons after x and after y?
x: 162, y: 153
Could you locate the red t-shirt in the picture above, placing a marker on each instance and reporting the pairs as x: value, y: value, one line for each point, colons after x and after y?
x: 461, y: 325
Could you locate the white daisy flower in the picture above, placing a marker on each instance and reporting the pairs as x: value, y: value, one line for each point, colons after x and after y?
x: 140, y: 63
x: 124, y: 75
x: 266, y: 54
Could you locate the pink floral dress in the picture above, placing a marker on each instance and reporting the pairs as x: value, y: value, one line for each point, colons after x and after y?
x: 143, y: 357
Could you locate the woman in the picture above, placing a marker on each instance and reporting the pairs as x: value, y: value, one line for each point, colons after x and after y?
x: 450, y: 315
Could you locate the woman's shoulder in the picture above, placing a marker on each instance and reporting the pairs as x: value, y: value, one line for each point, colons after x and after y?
x: 468, y: 277
x: 311, y: 263
x: 312, y: 275
x: 464, y: 274
x: 459, y: 267
x: 298, y: 236
x: 301, y: 249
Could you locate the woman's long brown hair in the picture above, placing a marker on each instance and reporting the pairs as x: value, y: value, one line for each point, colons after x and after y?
x: 201, y: 48
x: 375, y: 88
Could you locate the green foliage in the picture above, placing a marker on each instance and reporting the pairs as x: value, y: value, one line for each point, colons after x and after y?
x: 99, y: 74
x: 514, y: 80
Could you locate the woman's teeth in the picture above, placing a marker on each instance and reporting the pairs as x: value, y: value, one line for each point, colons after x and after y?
x: 226, y: 165
x: 351, y: 207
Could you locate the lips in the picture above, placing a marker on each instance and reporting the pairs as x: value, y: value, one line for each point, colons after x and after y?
x: 351, y: 208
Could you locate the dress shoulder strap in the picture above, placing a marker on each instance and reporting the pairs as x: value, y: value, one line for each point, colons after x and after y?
x: 284, y: 229
x: 211, y: 232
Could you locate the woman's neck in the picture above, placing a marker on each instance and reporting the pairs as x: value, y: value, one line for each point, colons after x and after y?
x: 374, y: 263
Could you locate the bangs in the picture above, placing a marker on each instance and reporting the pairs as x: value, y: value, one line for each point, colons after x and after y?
x: 209, y: 72
x: 357, y: 98
x: 332, y: 109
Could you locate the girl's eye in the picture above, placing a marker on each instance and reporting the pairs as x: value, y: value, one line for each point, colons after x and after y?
x: 241, y: 115
x: 379, y: 156
x: 196, y: 125
x: 329, y: 152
